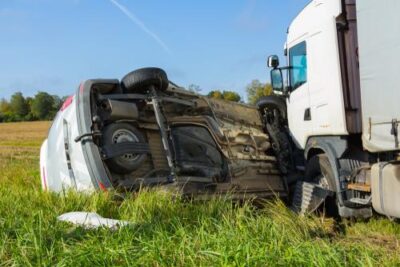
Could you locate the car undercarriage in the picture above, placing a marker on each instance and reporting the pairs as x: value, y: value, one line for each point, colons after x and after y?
x: 151, y: 132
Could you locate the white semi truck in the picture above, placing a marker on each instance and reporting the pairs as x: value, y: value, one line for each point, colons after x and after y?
x: 341, y: 109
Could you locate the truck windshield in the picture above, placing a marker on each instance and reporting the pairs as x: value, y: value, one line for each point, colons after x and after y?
x: 298, y: 64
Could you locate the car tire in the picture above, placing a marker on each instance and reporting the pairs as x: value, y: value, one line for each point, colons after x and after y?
x: 119, y: 133
x: 272, y: 102
x: 319, y: 170
x: 140, y: 80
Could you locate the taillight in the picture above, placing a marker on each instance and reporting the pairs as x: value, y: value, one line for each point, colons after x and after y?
x: 67, y: 102
x: 81, y: 88
x: 102, y: 187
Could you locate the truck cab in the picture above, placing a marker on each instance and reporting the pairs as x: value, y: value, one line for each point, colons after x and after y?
x: 315, y: 91
x: 341, y: 103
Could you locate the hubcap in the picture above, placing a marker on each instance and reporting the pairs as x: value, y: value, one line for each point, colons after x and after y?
x: 122, y: 136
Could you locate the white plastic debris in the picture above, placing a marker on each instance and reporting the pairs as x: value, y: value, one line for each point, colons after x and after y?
x: 91, y: 220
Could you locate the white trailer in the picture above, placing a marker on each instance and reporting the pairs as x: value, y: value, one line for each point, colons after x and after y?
x: 341, y: 101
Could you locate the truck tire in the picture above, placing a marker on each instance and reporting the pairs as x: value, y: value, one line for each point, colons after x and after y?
x: 319, y: 171
x: 138, y: 81
x: 119, y: 133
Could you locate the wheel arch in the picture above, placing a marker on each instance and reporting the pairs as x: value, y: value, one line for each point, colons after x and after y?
x: 333, y: 147
x: 313, y: 151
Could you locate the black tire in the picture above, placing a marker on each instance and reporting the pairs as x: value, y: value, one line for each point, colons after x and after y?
x: 273, y: 110
x: 319, y: 171
x: 138, y: 81
x: 272, y: 102
x: 119, y: 133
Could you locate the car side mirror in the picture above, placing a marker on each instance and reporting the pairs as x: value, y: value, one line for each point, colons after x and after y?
x: 277, y: 81
x: 273, y: 61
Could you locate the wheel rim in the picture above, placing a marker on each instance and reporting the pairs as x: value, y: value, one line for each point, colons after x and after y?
x: 121, y: 136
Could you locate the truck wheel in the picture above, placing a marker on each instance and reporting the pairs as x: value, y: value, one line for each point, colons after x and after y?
x: 319, y: 171
x: 138, y: 81
x: 120, y: 133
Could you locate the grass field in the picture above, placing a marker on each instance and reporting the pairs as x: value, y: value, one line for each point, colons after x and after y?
x: 167, y: 231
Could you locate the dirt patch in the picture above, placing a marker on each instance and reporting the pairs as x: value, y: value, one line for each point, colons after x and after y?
x: 391, y: 243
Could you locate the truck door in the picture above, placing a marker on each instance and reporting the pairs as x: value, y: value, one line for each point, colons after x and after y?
x: 298, y: 103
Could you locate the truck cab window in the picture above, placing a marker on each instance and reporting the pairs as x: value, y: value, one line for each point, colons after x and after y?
x: 298, y: 64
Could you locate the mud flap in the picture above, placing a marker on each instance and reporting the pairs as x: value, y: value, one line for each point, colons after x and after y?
x: 308, y: 197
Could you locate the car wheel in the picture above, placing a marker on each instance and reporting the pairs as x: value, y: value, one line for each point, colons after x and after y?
x: 119, y: 133
x: 140, y: 80
x: 272, y: 102
x: 319, y: 171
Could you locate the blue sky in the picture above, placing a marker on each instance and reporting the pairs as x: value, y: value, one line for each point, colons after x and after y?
x: 52, y: 45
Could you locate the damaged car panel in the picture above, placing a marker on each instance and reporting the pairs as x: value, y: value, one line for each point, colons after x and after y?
x: 147, y: 131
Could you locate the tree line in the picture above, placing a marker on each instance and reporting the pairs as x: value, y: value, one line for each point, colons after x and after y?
x: 44, y: 106
x: 254, y: 91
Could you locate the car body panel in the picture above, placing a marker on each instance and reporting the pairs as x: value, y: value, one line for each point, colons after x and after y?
x: 58, y: 171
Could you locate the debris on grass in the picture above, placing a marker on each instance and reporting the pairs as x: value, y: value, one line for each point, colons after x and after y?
x: 91, y: 220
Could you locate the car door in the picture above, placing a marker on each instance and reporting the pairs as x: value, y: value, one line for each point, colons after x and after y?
x: 298, y: 102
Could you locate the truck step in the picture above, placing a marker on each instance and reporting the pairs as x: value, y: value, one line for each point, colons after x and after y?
x: 361, y: 201
x: 308, y: 197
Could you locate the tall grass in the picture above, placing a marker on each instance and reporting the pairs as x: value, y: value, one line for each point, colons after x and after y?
x: 169, y: 231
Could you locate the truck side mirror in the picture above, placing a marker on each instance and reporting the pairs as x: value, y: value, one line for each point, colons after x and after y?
x: 277, y: 80
x: 273, y: 61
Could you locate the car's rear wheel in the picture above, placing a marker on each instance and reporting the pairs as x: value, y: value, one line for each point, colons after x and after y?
x: 139, y: 81
x: 119, y: 133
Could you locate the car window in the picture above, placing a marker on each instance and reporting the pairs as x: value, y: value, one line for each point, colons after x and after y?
x: 298, y: 64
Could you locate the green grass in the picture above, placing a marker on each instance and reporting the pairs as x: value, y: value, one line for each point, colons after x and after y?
x: 168, y: 231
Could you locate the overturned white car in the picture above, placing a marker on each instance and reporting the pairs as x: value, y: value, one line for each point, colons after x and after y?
x: 146, y: 131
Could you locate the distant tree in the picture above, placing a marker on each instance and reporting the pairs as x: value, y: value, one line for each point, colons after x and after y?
x: 1, y: 109
x: 215, y: 94
x: 43, y: 106
x: 4, y: 106
x: 194, y: 88
x: 30, y: 116
x: 29, y: 100
x: 256, y: 89
x: 18, y: 105
x: 6, y: 114
x: 226, y: 95
x: 57, y: 102
x: 231, y: 96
